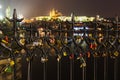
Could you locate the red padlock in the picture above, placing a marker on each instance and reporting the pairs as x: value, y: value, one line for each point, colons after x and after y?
x: 71, y: 56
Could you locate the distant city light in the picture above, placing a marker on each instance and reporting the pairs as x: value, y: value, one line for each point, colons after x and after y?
x: 80, y: 28
x: 20, y: 16
x: 1, y: 17
x: 0, y: 6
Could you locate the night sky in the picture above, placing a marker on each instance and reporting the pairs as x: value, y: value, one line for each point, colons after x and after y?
x: 31, y: 8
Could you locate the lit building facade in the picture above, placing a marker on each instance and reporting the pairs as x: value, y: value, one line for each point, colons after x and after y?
x: 54, y: 14
x: 67, y: 18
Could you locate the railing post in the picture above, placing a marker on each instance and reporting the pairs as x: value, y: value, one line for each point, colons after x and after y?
x: 116, y: 69
x: 95, y: 68
x: 14, y: 20
x: 105, y: 67
x: 59, y: 67
x: 29, y: 76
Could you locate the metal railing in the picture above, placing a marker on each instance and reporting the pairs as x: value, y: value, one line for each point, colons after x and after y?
x: 57, y: 39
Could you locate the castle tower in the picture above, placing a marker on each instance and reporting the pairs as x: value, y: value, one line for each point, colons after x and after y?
x: 54, y: 13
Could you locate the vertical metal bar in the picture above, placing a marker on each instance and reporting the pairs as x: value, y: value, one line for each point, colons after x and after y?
x: 14, y: 69
x: 84, y: 70
x: 95, y: 68
x: 44, y: 70
x: 29, y: 70
x: 71, y: 69
x: 115, y: 69
x: 72, y: 59
x: 58, y: 70
x: 116, y: 59
x: 83, y: 73
x: 58, y: 77
x: 105, y: 67
x: 95, y: 58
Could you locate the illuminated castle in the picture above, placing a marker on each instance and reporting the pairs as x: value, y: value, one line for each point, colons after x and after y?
x: 54, y: 13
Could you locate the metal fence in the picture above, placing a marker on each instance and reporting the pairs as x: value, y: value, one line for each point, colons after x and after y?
x: 60, y: 39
